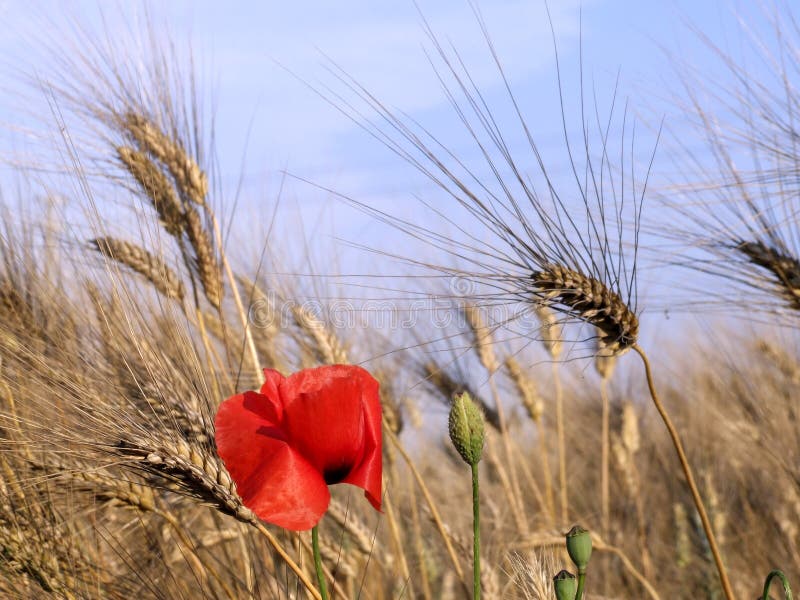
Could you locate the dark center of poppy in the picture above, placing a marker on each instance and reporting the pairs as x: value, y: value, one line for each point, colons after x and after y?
x: 335, y: 474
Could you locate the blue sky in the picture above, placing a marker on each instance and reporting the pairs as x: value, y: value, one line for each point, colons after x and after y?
x: 241, y: 46
x: 254, y: 56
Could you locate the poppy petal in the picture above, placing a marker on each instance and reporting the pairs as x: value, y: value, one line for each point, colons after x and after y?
x: 273, y: 480
x: 368, y: 473
x: 286, y: 490
x: 324, y: 418
x: 272, y: 382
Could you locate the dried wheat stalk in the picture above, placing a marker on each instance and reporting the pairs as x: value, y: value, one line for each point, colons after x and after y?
x: 139, y: 260
x: 266, y: 325
x: 590, y: 300
x: 605, y: 359
x: 526, y: 389
x: 340, y: 561
x: 483, y: 338
x: 550, y: 331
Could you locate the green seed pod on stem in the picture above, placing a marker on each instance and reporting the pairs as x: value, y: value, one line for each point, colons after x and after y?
x: 565, y: 585
x: 579, y: 547
x: 466, y: 428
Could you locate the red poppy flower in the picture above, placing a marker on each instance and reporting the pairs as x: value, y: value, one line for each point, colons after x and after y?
x: 285, y: 445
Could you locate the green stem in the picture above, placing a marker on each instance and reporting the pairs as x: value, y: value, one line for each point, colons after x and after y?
x: 476, y: 535
x: 787, y: 591
x: 581, y: 584
x: 323, y: 588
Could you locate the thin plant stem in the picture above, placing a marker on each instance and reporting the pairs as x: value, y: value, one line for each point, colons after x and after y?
x: 476, y: 535
x: 604, y: 458
x: 420, y: 550
x: 515, y: 496
x: 687, y: 471
x: 276, y: 545
x: 787, y: 590
x: 335, y: 585
x: 562, y: 445
x: 192, y: 548
x: 437, y: 519
x: 605, y: 443
x: 323, y: 588
x: 544, y: 460
x: 251, y: 346
x: 397, y: 540
x: 499, y: 462
x: 581, y: 584
x: 528, y: 475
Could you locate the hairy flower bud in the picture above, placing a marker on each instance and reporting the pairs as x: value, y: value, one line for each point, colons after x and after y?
x: 466, y: 428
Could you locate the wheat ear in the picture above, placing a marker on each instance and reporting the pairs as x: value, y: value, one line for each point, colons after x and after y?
x: 784, y: 268
x: 208, y: 269
x: 590, y: 300
x: 532, y: 402
x: 327, y: 344
x: 139, y: 260
x: 202, y: 476
x: 155, y: 186
x: 189, y: 178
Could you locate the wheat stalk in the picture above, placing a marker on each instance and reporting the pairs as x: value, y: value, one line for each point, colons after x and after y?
x: 266, y: 342
x: 483, y: 338
x: 484, y: 346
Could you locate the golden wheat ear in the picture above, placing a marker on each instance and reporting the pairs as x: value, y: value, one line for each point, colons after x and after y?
x: 590, y: 300
x: 190, y: 180
x: 783, y: 268
x: 156, y: 187
x: 146, y: 264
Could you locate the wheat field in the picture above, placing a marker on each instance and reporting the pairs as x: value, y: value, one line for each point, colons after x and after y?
x: 121, y: 337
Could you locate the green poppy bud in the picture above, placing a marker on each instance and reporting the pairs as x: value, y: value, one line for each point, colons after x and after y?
x: 565, y: 585
x: 579, y: 547
x: 466, y: 428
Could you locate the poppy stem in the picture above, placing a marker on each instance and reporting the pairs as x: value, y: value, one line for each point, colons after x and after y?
x: 787, y: 590
x: 323, y: 589
x: 476, y: 535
